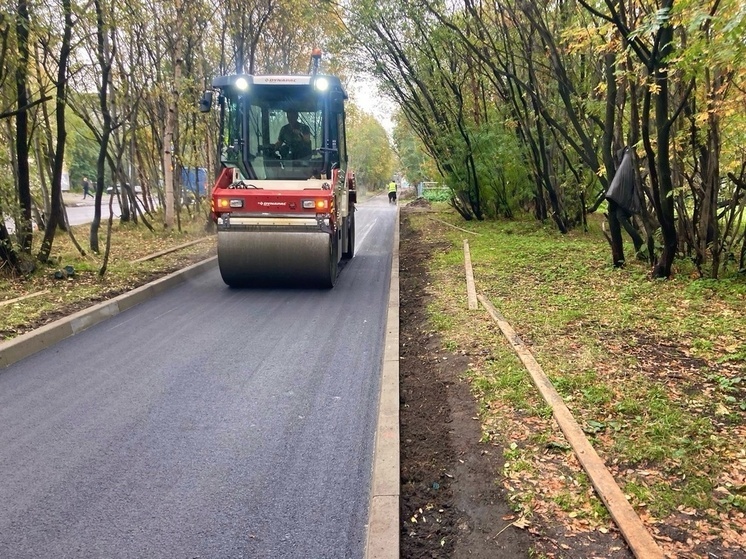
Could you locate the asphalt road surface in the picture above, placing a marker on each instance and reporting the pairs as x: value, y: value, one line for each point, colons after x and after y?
x: 83, y: 213
x: 209, y: 422
x: 80, y: 211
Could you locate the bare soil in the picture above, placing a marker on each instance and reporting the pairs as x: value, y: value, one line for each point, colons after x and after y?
x: 452, y: 501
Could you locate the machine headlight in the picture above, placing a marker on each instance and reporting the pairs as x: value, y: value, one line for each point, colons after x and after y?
x: 242, y: 84
x: 320, y: 204
x: 321, y: 84
x: 224, y: 203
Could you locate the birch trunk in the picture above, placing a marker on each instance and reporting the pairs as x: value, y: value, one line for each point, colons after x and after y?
x: 169, y: 133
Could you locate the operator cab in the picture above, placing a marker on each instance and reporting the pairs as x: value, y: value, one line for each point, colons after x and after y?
x: 281, y: 127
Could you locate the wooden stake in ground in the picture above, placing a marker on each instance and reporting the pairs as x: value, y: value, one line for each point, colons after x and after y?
x: 471, y: 291
x: 23, y: 297
x: 168, y: 251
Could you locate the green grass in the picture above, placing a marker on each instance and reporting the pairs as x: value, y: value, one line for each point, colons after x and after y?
x: 655, y: 370
x: 436, y: 194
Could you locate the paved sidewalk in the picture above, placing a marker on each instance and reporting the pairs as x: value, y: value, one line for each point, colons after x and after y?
x: 76, y: 199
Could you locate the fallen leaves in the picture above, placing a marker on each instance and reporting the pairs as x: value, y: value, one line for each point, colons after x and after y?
x: 652, y: 344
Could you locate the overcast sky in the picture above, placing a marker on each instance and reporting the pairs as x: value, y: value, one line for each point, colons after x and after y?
x: 365, y: 94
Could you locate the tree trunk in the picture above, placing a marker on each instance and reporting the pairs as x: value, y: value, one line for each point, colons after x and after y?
x: 25, y: 234
x: 169, y: 133
x: 168, y: 165
x: 708, y: 227
x: 664, y: 195
x: 615, y: 233
x: 59, y: 156
x: 104, y: 57
x: 610, y: 115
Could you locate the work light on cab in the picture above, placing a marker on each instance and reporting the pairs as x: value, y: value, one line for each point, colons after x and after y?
x: 321, y: 84
x: 320, y: 204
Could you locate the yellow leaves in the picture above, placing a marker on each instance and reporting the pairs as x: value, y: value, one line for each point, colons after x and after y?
x: 721, y: 410
x: 598, y: 39
x: 419, y: 517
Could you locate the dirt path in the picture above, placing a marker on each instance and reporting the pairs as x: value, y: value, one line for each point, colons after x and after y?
x: 451, y: 504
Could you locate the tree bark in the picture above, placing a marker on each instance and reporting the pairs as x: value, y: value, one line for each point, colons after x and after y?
x: 57, y: 165
x: 663, y: 195
x: 104, y: 57
x: 25, y: 233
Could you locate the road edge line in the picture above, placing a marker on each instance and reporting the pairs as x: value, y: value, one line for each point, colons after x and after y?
x: 34, y: 341
x: 382, y: 541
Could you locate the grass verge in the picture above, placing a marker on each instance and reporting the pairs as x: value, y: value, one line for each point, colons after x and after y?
x: 51, y: 293
x: 654, y: 372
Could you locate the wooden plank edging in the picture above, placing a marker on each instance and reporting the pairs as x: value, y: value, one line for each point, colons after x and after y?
x: 471, y: 290
x: 638, y: 538
x: 23, y: 298
x: 168, y: 250
x: 456, y: 227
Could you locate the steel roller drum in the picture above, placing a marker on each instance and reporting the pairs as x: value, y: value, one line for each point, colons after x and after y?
x: 267, y: 258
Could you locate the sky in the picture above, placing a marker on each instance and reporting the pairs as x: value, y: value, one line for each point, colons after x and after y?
x: 364, y: 93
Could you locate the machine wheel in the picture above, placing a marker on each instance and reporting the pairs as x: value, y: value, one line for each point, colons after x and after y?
x: 333, y: 264
x: 266, y: 258
x: 350, y: 249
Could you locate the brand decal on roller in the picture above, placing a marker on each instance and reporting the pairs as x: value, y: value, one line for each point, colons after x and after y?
x: 273, y: 203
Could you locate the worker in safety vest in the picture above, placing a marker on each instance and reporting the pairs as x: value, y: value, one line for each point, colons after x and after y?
x: 392, y: 192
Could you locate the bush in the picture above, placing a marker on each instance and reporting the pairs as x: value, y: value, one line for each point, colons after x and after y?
x: 436, y: 194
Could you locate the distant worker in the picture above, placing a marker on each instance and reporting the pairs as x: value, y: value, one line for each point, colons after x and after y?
x: 86, y: 188
x: 296, y: 136
x: 392, y: 192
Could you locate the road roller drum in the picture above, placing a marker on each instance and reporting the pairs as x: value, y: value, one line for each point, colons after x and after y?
x: 288, y: 258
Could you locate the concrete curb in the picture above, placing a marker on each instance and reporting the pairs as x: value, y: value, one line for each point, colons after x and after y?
x: 29, y: 343
x: 383, y: 514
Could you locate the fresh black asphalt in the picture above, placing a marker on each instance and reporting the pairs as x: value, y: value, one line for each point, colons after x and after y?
x: 208, y: 422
